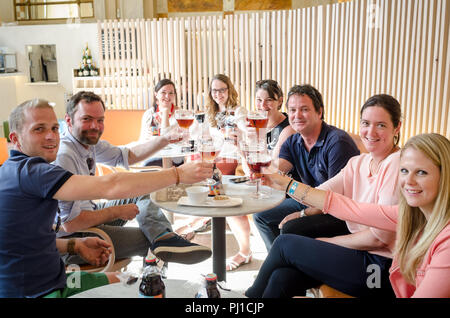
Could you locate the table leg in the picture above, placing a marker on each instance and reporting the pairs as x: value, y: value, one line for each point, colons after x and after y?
x: 219, y: 247
x: 167, y: 163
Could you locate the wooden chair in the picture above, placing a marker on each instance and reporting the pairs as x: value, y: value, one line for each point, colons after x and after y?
x: 113, y: 264
x: 358, y: 142
x: 325, y: 291
x: 102, y: 169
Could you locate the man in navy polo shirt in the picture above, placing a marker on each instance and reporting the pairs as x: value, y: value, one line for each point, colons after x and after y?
x: 30, y: 187
x: 316, y: 153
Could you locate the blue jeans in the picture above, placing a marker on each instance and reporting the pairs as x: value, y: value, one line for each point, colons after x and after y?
x: 296, y: 263
x: 267, y: 221
x: 152, y: 221
x: 321, y: 225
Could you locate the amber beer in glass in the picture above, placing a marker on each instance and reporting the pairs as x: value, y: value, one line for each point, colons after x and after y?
x: 256, y: 161
x: 257, y: 119
x: 185, y: 118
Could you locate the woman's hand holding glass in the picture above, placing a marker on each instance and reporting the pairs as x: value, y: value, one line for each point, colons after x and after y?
x: 274, y: 179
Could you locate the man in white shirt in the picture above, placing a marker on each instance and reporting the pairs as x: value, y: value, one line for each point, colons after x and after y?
x: 80, y: 149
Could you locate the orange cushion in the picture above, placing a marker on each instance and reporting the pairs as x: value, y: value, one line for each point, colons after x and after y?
x: 3, y: 150
x: 122, y: 126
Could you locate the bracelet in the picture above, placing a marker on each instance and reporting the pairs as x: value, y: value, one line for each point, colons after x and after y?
x: 177, y: 176
x: 71, y: 247
x: 302, y: 213
x: 303, y: 196
x: 293, y: 187
x: 289, y: 184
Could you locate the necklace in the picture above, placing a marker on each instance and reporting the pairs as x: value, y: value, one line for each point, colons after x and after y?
x: 276, y: 122
x: 374, y: 171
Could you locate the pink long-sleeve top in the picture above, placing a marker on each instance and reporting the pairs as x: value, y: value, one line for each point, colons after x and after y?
x: 355, y: 181
x: 433, y: 275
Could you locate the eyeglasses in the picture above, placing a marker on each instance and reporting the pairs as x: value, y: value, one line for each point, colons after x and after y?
x: 90, y: 162
x: 220, y: 90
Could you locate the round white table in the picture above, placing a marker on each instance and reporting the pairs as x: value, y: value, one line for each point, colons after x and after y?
x: 175, y: 288
x: 172, y: 151
x: 218, y: 214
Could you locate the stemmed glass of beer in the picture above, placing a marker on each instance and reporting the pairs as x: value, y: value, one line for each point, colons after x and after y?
x: 209, y: 149
x: 184, y: 118
x: 257, y: 119
x: 256, y: 160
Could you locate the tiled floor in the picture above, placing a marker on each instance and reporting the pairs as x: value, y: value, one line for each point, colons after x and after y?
x: 238, y: 280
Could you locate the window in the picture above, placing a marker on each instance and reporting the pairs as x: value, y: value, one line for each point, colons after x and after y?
x: 30, y: 10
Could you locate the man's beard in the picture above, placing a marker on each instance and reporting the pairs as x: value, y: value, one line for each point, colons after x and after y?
x: 89, y: 140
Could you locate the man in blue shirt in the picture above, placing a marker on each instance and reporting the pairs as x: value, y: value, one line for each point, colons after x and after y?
x: 80, y: 149
x: 30, y: 262
x: 315, y: 153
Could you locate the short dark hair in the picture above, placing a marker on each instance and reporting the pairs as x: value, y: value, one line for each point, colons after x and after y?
x: 271, y: 87
x: 311, y: 92
x: 88, y: 97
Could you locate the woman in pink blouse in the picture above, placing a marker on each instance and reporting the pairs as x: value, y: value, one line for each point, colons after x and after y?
x: 421, y: 266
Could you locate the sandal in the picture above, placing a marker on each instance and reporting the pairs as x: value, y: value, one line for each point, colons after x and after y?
x: 232, y: 264
x: 205, y: 226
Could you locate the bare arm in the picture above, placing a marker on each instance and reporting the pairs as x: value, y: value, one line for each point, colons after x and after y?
x: 314, y: 198
x: 285, y: 133
x: 297, y: 214
x: 92, y: 249
x: 144, y: 150
x: 382, y: 217
x: 87, y: 219
x: 283, y: 165
x: 125, y: 185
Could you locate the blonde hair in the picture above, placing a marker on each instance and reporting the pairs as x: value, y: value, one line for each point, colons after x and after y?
x: 17, y: 116
x: 212, y: 108
x: 415, y: 233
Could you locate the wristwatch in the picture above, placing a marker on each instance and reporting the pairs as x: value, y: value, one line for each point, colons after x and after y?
x: 71, y: 246
x: 302, y: 213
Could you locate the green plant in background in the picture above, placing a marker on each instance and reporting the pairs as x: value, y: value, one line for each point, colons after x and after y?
x: 6, y: 130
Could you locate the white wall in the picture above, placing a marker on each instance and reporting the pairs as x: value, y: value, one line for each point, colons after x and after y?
x: 70, y: 41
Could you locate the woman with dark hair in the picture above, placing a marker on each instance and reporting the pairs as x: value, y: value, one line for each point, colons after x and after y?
x: 161, y: 113
x: 159, y: 117
x: 269, y: 97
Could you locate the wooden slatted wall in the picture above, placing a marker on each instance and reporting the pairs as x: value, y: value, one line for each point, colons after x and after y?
x: 349, y: 51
